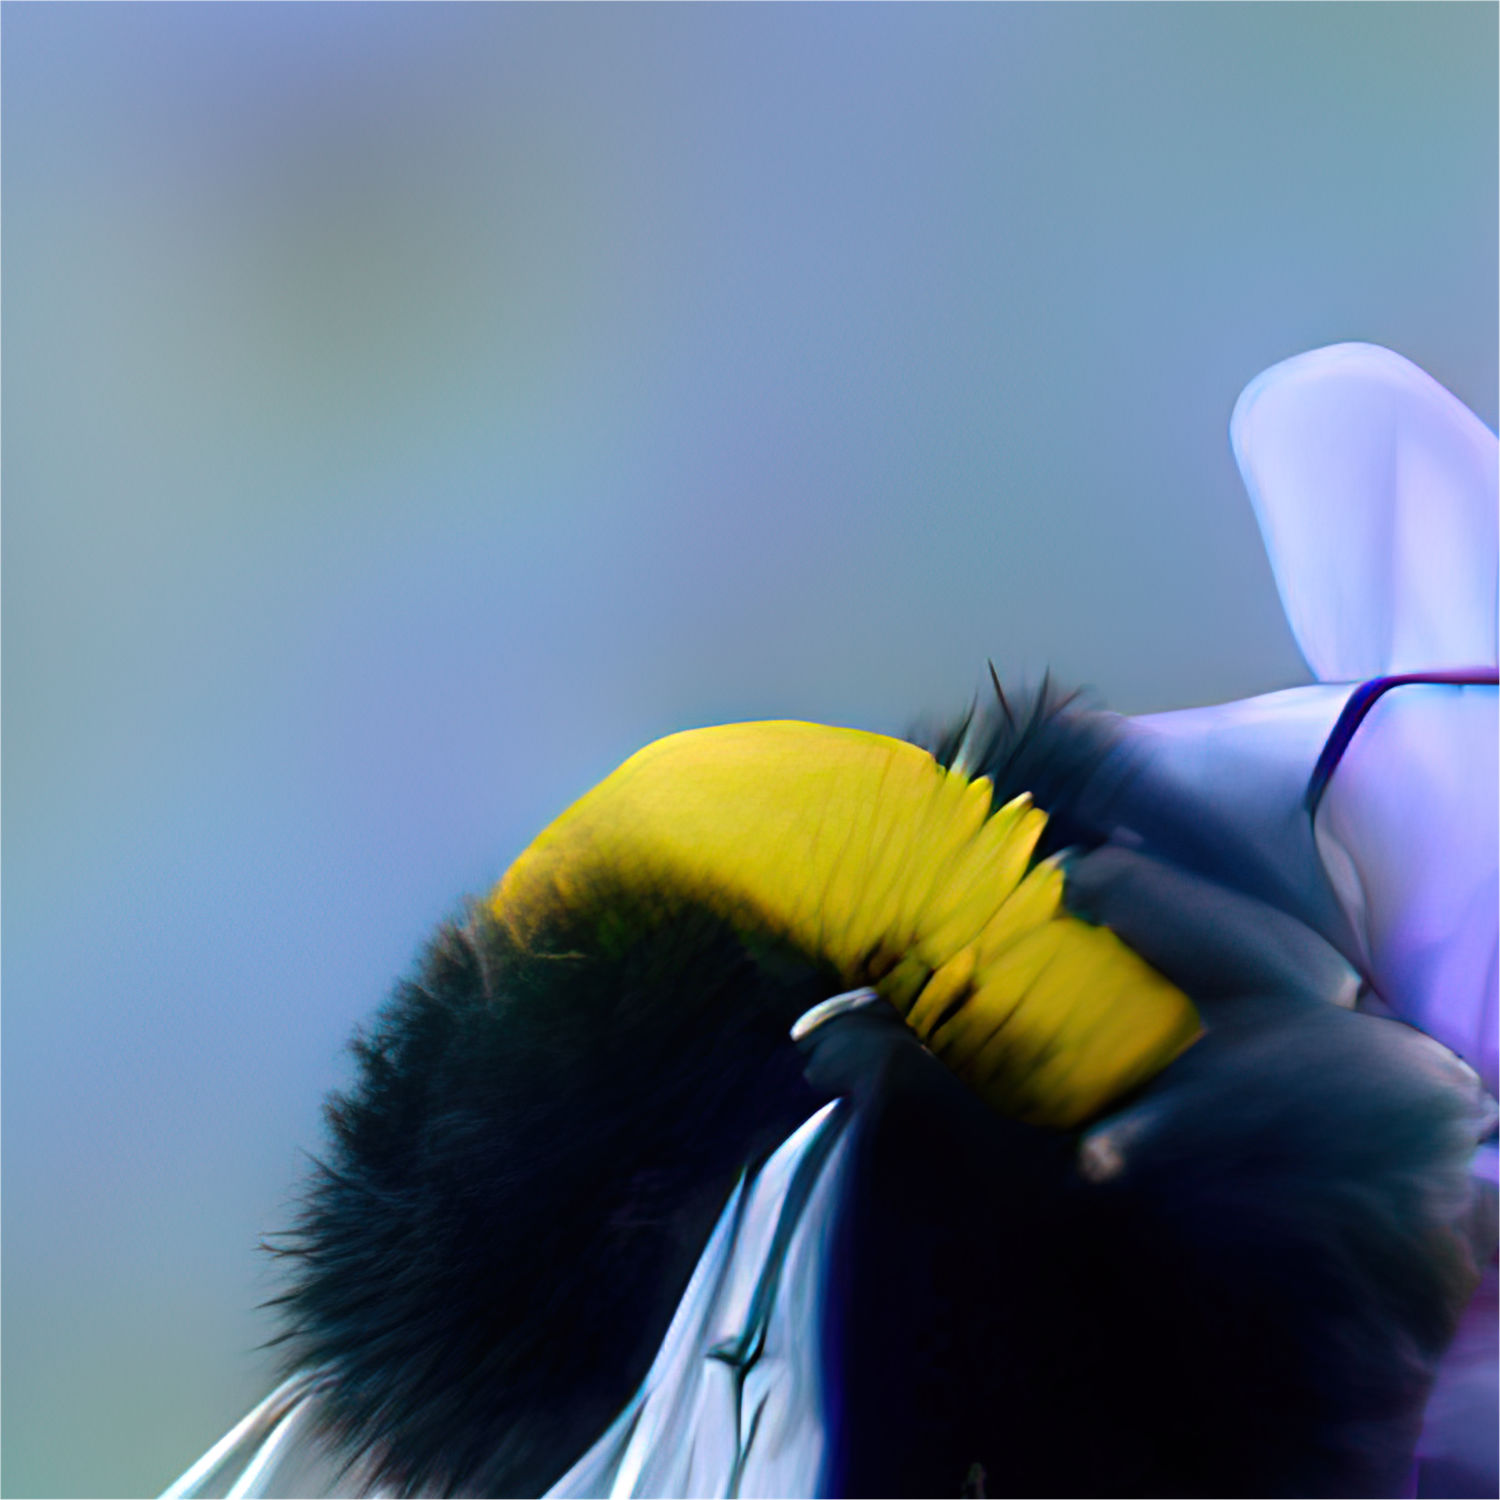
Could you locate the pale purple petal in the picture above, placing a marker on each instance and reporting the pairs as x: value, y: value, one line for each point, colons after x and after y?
x: 1375, y: 489
x: 1407, y: 831
x: 1220, y: 789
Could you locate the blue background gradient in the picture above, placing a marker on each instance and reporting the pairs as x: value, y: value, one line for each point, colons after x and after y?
x: 410, y: 411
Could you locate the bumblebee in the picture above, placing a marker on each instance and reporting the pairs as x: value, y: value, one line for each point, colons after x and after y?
x: 807, y: 1111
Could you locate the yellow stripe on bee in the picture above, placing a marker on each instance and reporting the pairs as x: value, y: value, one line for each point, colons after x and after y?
x: 1037, y: 899
x: 1113, y: 1043
x: 938, y: 834
x: 983, y: 876
x: 865, y: 852
x: 946, y: 985
x: 969, y: 1037
x: 1046, y: 1018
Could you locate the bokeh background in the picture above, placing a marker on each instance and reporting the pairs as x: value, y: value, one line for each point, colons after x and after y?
x: 409, y: 411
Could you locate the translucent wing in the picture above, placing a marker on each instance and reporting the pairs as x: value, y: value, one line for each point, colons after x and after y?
x: 1375, y: 489
x: 274, y: 1450
x: 733, y: 1404
x: 734, y: 1401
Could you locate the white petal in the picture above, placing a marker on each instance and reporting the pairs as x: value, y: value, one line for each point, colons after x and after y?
x: 1375, y: 489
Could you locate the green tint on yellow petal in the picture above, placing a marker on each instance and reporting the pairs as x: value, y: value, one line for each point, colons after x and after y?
x: 865, y: 852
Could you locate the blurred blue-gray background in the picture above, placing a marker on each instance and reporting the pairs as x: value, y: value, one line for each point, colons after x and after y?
x: 409, y: 411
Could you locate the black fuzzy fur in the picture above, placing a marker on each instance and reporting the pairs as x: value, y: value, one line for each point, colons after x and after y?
x: 1253, y: 1303
x: 520, y: 1184
x: 1049, y: 743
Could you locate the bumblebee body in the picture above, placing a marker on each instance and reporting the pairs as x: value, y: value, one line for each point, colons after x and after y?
x: 1232, y: 1275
